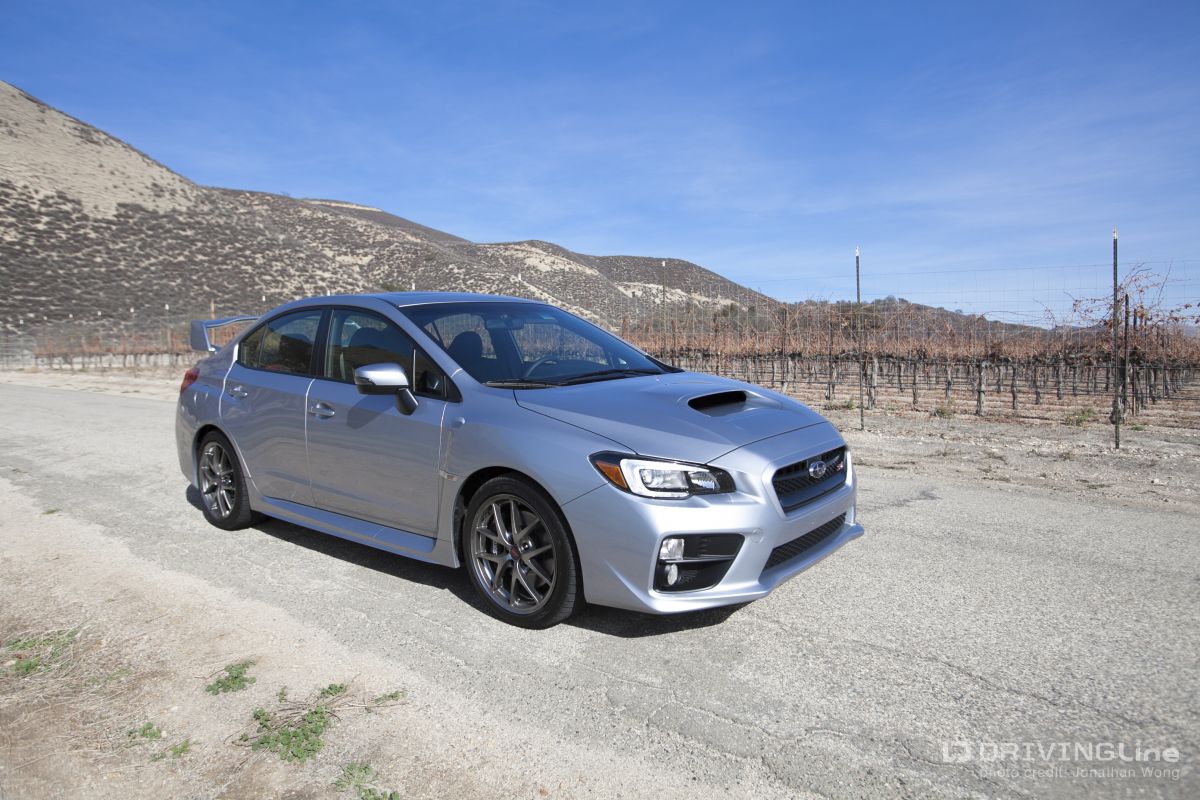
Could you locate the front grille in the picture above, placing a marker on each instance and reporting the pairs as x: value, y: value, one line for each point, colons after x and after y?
x: 802, y: 544
x: 795, y: 486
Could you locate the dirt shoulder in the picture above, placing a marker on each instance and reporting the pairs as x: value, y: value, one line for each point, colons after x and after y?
x: 1156, y: 467
x: 136, y: 647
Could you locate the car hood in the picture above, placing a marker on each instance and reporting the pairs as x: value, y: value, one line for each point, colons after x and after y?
x: 683, y: 416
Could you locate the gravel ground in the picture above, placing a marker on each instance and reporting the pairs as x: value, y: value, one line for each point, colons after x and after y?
x: 1017, y: 585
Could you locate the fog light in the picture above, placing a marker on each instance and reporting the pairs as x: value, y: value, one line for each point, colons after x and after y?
x: 672, y: 572
x: 671, y: 550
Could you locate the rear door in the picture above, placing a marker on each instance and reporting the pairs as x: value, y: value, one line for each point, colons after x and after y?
x: 367, y: 459
x: 263, y: 403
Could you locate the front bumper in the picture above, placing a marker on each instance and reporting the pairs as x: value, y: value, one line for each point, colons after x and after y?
x: 618, y: 534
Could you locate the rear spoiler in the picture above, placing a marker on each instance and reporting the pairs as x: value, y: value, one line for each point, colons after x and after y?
x: 200, y: 338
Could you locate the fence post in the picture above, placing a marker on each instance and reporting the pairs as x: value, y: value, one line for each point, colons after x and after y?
x: 980, y: 387
x: 914, y: 384
x: 873, y: 386
x: 1116, y: 310
x: 862, y: 364
x: 1125, y: 359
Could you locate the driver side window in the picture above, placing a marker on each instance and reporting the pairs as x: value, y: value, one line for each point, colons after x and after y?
x: 358, y: 338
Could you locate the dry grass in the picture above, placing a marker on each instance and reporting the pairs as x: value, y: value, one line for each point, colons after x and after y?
x: 294, y: 729
x: 66, y: 692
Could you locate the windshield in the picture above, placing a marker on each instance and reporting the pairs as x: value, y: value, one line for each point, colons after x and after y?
x: 528, y: 345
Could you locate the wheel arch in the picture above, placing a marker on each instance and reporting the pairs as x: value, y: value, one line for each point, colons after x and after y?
x: 205, y: 430
x: 472, y: 484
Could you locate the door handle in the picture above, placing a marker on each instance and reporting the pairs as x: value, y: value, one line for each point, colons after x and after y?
x: 238, y: 392
x: 321, y: 410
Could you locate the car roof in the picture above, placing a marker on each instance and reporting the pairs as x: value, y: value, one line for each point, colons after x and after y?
x: 405, y: 299
x: 398, y: 299
x: 402, y: 299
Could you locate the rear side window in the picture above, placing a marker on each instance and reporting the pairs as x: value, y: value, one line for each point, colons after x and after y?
x: 285, y: 344
x: 358, y: 338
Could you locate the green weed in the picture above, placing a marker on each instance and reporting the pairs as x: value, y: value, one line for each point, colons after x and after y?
x: 294, y: 740
x: 148, y: 731
x: 234, y: 680
x: 38, y: 652
x: 1077, y: 419
x: 371, y: 793
x: 295, y: 730
x: 360, y: 778
x: 354, y: 776
x: 332, y: 690
x: 390, y: 697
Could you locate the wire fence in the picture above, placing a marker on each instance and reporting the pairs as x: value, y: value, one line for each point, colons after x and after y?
x: 1029, y: 343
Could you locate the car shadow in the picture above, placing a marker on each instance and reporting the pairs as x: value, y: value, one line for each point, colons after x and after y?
x: 598, y: 619
x: 435, y: 576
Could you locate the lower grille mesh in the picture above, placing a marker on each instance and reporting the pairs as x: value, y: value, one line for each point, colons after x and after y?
x: 802, y: 544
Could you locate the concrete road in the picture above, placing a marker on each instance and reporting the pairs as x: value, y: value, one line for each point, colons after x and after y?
x: 972, y: 620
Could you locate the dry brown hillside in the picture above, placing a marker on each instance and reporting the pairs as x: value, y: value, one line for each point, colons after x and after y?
x: 91, y: 228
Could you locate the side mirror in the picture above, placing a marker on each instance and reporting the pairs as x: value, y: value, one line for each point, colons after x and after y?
x: 386, y: 379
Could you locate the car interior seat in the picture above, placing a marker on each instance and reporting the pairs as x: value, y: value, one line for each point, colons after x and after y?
x: 467, y: 351
x: 371, y: 346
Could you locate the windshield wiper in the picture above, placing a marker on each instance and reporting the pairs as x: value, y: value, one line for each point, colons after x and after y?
x: 607, y: 374
x: 519, y: 383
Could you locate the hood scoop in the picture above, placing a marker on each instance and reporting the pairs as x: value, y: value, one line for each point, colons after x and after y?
x: 718, y: 400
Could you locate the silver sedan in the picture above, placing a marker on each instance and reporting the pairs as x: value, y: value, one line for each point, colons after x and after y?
x: 555, y: 461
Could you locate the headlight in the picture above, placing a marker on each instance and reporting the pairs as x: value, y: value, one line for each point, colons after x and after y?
x: 653, y: 478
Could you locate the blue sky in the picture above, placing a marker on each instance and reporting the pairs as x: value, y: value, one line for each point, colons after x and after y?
x: 955, y: 142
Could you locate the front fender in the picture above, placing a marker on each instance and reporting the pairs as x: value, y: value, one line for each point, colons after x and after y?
x: 490, y: 430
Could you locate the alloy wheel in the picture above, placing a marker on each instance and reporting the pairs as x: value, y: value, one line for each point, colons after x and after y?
x: 513, y: 554
x: 218, y: 483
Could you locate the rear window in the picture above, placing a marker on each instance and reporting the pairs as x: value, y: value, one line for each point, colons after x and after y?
x: 285, y: 344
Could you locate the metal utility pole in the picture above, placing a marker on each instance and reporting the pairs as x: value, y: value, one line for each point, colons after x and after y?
x: 862, y: 359
x: 1116, y: 311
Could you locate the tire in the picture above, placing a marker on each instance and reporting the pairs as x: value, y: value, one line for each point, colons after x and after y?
x: 519, y: 554
x: 223, y: 495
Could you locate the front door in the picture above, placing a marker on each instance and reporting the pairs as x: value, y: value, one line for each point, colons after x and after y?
x: 262, y: 408
x: 366, y: 458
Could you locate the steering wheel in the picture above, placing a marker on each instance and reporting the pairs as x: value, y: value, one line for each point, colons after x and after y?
x: 535, y: 365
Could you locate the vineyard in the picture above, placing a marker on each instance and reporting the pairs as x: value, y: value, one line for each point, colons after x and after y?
x: 895, y: 356
x: 887, y: 356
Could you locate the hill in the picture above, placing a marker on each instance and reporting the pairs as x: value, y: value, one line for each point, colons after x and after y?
x: 91, y: 228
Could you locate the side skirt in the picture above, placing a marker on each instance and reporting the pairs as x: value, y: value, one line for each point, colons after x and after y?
x: 381, y: 537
